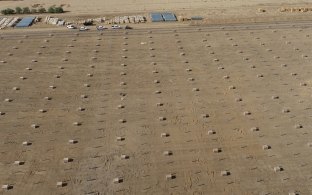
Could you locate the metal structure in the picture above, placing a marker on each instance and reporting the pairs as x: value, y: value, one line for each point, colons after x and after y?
x: 26, y: 22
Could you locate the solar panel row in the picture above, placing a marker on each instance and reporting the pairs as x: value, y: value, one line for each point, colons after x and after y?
x: 169, y: 16
x: 160, y: 17
x: 25, y: 22
x: 156, y: 17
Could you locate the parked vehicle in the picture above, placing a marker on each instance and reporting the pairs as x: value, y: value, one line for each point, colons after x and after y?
x: 116, y: 27
x: 100, y: 28
x: 71, y: 26
x: 83, y: 28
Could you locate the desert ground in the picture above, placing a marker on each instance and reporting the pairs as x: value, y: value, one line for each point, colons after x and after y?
x: 122, y: 6
x: 166, y: 108
x: 95, y: 6
x: 215, y: 11
x: 141, y: 105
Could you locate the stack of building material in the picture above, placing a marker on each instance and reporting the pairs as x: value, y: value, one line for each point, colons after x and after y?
x: 2, y: 21
x: 6, y: 22
x: 100, y: 20
x: 61, y: 23
x: 46, y: 20
x: 132, y: 19
x: 127, y: 19
x: 13, y: 22
x: 53, y: 21
x: 142, y: 18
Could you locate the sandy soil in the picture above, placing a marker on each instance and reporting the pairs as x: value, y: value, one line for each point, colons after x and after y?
x: 95, y: 6
x: 182, y: 7
x: 213, y: 12
x: 120, y: 76
x: 229, y: 98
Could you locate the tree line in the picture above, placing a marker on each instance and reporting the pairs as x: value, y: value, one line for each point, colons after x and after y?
x: 27, y: 10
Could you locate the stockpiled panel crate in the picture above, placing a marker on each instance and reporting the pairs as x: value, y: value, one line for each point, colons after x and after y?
x: 169, y: 16
x: 156, y: 17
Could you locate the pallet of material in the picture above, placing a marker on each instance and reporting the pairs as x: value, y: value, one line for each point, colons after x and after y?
x: 2, y: 21
x: 13, y: 22
x: 6, y: 22
x: 142, y: 19
x: 127, y: 19
x: 60, y: 22
x: 46, y: 19
x: 53, y: 21
x: 132, y: 19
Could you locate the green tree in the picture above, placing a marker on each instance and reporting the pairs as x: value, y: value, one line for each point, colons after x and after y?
x: 4, y: 12
x: 18, y: 10
x: 33, y: 11
x: 7, y: 11
x: 42, y: 10
x: 59, y: 10
x: 26, y: 10
x: 10, y: 11
x: 51, y: 10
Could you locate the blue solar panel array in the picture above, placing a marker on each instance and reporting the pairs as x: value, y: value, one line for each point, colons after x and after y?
x: 160, y: 17
x: 156, y: 17
x: 25, y: 22
x: 169, y: 17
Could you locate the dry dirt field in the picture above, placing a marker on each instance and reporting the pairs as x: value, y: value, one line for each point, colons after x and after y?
x: 212, y: 11
x: 141, y: 105
x: 106, y: 6
x: 213, y: 8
